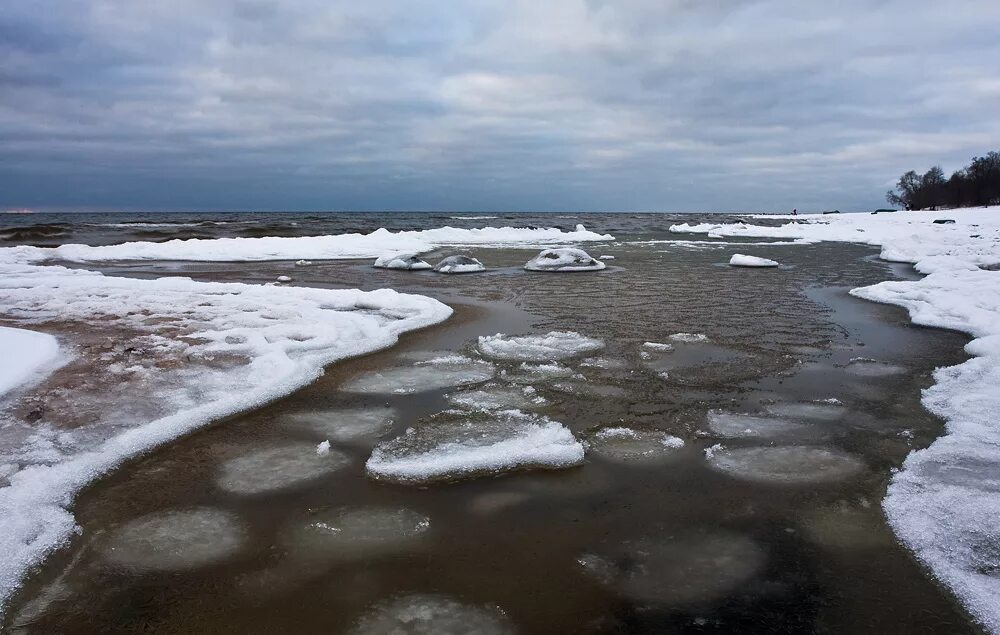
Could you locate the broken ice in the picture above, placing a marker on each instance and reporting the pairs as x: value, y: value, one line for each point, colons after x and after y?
x: 459, y: 264
x: 564, y: 259
x: 631, y: 445
x: 432, y: 374
x: 786, y: 464
x: 554, y: 345
x: 279, y: 467
x: 432, y: 615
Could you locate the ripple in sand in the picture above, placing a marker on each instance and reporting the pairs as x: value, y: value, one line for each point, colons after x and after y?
x: 421, y: 614
x: 277, y: 468
x: 795, y: 464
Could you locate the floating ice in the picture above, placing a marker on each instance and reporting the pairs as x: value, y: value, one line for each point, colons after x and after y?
x: 689, y: 338
x: 26, y: 356
x: 432, y: 615
x: 459, y: 264
x: 742, y: 426
x: 277, y: 468
x: 174, y: 540
x: 538, y: 373
x: 741, y: 260
x: 284, y: 279
x: 407, y: 262
x: 344, y: 425
x: 607, y: 257
x: 630, y: 445
x: 603, y: 363
x: 847, y: 527
x: 659, y: 347
x: 564, y: 259
x: 808, y: 410
x: 356, y: 533
x: 496, y: 399
x: 303, y: 263
x: 692, y: 569
x: 433, y: 374
x: 554, y: 345
x: 794, y: 464
x: 323, y: 448
x: 505, y: 441
x: 589, y: 390
x: 493, y: 502
x: 873, y: 368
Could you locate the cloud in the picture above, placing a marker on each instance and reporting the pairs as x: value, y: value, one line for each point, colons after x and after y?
x: 488, y: 104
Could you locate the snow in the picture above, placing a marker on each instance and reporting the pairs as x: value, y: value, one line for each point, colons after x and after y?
x: 277, y: 339
x: 283, y: 279
x: 554, y: 345
x: 564, y: 259
x: 459, y: 264
x: 742, y: 260
x: 506, y: 441
x: 378, y: 243
x: 408, y: 262
x: 27, y: 355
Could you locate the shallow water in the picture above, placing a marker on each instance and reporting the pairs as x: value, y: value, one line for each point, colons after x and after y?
x: 787, y: 555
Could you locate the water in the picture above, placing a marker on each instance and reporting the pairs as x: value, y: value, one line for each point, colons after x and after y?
x: 612, y: 545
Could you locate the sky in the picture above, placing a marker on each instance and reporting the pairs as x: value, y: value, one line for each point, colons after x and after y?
x: 653, y: 105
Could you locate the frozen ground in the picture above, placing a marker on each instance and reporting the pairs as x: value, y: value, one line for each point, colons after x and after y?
x: 26, y: 356
x: 944, y: 503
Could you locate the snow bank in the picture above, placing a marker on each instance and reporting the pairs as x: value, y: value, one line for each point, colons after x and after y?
x: 380, y: 242
x: 208, y: 350
x: 742, y: 260
x: 26, y: 355
x: 945, y: 501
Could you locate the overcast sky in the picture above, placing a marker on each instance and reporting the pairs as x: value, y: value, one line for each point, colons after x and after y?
x: 669, y: 105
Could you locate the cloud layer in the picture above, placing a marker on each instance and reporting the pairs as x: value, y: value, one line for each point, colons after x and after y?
x: 491, y: 104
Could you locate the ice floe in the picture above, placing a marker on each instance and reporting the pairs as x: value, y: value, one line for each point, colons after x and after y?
x: 432, y: 374
x: 343, y: 425
x: 865, y: 367
x: 459, y: 264
x: 355, y: 532
x: 820, y: 411
x: 432, y: 615
x: 407, y: 262
x: 790, y: 464
x: 633, y: 445
x: 730, y: 425
x: 659, y: 347
x: 564, y: 260
x: 554, y: 345
x: 497, y: 398
x: 27, y: 355
x: 278, y: 467
x: 689, y: 338
x: 451, y: 449
x: 174, y: 540
x: 538, y: 373
x: 742, y: 260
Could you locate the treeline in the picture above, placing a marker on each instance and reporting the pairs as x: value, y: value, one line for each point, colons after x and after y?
x: 974, y: 185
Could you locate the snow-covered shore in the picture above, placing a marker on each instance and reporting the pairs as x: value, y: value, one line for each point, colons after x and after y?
x: 945, y: 502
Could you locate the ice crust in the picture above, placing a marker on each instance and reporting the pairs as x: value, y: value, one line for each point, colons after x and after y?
x: 564, y: 259
x: 459, y: 264
x: 446, y: 450
x: 554, y: 345
x: 432, y: 615
x: 26, y: 356
x: 406, y: 262
x: 742, y: 260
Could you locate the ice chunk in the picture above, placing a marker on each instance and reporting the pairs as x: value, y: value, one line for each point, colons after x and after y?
x: 741, y: 260
x: 630, y: 445
x: 284, y: 279
x: 26, y: 355
x: 607, y: 257
x: 538, y: 373
x: 459, y: 264
x: 278, y: 467
x: 689, y: 338
x: 432, y: 615
x: 742, y: 426
x: 356, y: 533
x: 433, y: 374
x: 554, y: 345
x: 795, y: 464
x: 323, y: 448
x: 174, y: 540
x: 496, y: 399
x: 865, y: 367
x: 344, y: 425
x: 408, y: 262
x: 564, y: 259
x: 691, y: 569
x: 442, y: 450
x: 659, y: 347
x: 603, y: 363
x: 808, y: 410
x: 589, y: 390
x: 493, y: 502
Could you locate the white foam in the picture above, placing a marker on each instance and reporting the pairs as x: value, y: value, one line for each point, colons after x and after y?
x: 565, y: 260
x: 791, y: 464
x: 432, y: 615
x: 554, y: 345
x: 742, y: 260
x: 27, y: 355
x: 506, y: 441
x: 279, y: 467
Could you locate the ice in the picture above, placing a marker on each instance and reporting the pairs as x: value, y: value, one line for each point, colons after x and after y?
x: 343, y: 425
x: 590, y: 390
x: 627, y: 445
x: 554, y: 345
x: 607, y: 257
x: 742, y: 426
x: 603, y: 363
x: 689, y: 338
x: 276, y: 468
x: 564, y: 259
x: 432, y: 615
x: 451, y: 449
x: 821, y: 411
x: 659, y: 347
x: 432, y: 374
x: 27, y: 355
x: 283, y: 279
x: 378, y: 243
x: 873, y: 368
x: 496, y: 398
x: 793, y: 464
x: 742, y: 260
x: 459, y: 264
x: 355, y: 533
x: 408, y: 262
x: 323, y: 448
x: 690, y: 570
x: 538, y: 373
x: 495, y: 502
x: 847, y: 527
x: 174, y: 540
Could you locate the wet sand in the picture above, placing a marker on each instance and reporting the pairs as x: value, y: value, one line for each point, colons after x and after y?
x: 593, y: 548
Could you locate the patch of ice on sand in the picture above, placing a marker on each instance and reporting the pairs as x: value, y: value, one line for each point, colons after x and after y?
x: 742, y: 260
x: 821, y: 411
x: 407, y: 262
x: 174, y: 540
x: 793, y: 464
x: 564, y: 260
x: 459, y: 264
x: 628, y: 445
x: 742, y: 426
x: 689, y: 338
x: 452, y: 449
x: 538, y: 373
x: 26, y: 356
x: 355, y: 532
x: 432, y: 615
x: 432, y: 374
x: 865, y: 367
x: 497, y: 398
x: 689, y: 570
x: 343, y: 425
x: 276, y: 468
x: 554, y: 345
